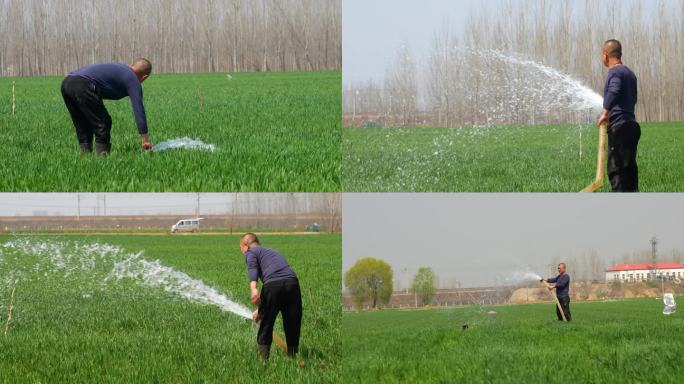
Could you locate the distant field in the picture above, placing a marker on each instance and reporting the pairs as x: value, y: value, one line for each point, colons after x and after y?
x: 273, y: 132
x: 607, y: 342
x: 73, y: 324
x: 505, y: 159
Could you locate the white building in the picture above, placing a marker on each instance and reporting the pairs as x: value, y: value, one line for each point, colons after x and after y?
x: 645, y: 271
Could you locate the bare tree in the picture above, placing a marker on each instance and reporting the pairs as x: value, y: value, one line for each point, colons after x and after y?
x: 464, y: 84
x: 51, y: 37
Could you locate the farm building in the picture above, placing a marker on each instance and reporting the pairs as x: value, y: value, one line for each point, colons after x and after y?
x: 645, y: 271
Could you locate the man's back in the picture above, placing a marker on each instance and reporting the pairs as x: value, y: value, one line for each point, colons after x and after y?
x: 620, y: 94
x: 267, y: 264
x: 114, y: 79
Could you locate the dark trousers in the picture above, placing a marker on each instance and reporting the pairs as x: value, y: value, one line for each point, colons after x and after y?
x: 281, y: 296
x: 565, y: 304
x: 623, y: 172
x: 84, y: 102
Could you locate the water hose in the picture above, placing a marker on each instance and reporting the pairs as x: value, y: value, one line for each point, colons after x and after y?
x: 601, y: 161
x: 558, y: 304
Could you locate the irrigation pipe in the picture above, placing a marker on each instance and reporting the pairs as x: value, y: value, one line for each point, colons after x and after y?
x: 557, y: 304
x: 601, y: 161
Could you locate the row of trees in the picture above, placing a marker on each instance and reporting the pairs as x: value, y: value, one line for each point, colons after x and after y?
x: 370, y: 280
x: 52, y: 37
x: 495, y: 70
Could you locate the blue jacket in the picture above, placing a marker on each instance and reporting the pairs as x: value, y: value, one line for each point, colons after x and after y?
x: 116, y: 81
x: 562, y: 284
x: 267, y: 264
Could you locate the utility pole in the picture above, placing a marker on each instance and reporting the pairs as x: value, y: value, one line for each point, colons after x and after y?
x: 197, y: 206
x: 232, y: 217
x: 654, y: 250
x: 78, y: 207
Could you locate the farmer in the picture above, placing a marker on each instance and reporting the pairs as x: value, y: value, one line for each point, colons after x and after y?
x: 619, y: 98
x: 279, y: 293
x: 83, y: 91
x: 561, y: 284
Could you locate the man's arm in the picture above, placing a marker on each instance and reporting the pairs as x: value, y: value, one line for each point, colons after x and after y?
x: 136, y: 96
x: 253, y: 272
x: 610, y: 97
x: 562, y: 282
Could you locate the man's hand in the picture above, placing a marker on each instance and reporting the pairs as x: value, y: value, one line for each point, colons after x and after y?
x: 603, y: 118
x: 543, y: 280
x: 145, y: 141
x: 551, y: 286
x: 255, y: 296
x: 255, y: 315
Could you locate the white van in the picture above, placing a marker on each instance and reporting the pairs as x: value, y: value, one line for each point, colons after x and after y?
x: 187, y: 225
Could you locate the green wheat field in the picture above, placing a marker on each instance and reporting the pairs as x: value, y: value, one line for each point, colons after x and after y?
x: 73, y: 323
x: 627, y: 341
x: 500, y: 159
x: 273, y: 132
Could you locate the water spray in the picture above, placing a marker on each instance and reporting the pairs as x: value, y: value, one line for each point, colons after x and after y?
x: 183, y: 143
x: 67, y: 258
x: 601, y: 161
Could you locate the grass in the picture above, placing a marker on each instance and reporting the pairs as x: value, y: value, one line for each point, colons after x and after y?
x: 70, y: 327
x: 504, y: 159
x: 607, y: 342
x: 274, y: 132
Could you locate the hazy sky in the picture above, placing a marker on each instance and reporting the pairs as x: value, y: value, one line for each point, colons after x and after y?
x: 61, y: 204
x: 479, y: 238
x: 372, y: 30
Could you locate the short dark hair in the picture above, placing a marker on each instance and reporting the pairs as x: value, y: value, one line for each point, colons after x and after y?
x: 613, y: 48
x: 144, y: 65
x: 564, y: 266
x: 250, y: 238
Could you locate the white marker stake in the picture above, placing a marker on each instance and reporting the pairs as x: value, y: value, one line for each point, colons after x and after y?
x: 14, y: 102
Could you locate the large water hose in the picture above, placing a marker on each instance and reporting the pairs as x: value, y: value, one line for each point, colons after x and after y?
x: 558, y: 304
x: 601, y: 161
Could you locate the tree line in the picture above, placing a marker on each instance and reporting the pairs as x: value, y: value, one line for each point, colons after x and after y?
x: 466, y: 80
x: 53, y: 37
x: 370, y: 280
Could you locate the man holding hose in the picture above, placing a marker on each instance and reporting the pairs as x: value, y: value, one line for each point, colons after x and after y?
x: 619, y: 99
x: 561, y: 284
x: 279, y: 293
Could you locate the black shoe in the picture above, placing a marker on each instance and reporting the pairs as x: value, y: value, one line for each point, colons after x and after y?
x: 292, y: 351
x: 103, y: 149
x: 86, y: 148
x: 264, y: 351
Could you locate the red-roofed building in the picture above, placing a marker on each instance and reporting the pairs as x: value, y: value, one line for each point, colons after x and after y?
x: 645, y: 271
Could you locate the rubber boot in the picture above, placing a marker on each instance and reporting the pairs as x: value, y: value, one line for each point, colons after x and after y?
x: 264, y: 351
x: 103, y: 149
x: 86, y: 148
